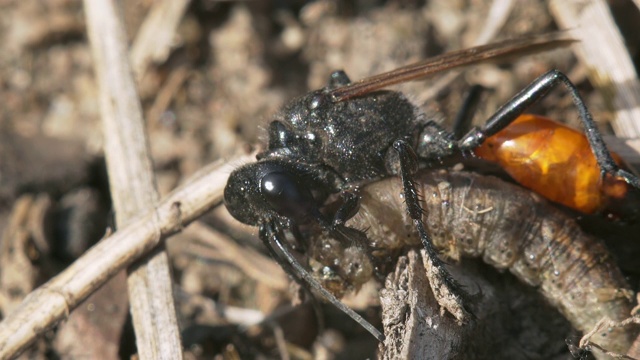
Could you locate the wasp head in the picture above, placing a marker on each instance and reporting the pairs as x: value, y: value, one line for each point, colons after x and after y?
x: 269, y: 190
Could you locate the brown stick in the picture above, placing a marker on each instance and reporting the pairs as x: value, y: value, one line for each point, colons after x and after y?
x: 132, y: 181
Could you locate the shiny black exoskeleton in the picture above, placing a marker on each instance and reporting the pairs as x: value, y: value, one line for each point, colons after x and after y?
x: 326, y: 143
x: 318, y: 147
x: 315, y: 143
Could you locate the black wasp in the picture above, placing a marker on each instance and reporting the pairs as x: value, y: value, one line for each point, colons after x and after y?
x: 346, y: 135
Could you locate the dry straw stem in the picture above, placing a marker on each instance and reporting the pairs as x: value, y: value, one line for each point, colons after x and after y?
x: 53, y: 301
x: 131, y: 180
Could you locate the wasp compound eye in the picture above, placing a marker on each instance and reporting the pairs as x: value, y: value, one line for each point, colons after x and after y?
x: 242, y: 194
x: 238, y: 191
x: 286, y: 195
x: 260, y: 191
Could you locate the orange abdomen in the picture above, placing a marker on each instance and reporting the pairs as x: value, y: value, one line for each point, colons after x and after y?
x: 553, y: 160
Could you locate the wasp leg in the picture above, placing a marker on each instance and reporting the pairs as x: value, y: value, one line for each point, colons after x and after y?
x: 271, y: 237
x: 339, y: 231
x: 446, y: 289
x: 336, y: 227
x: 529, y: 95
x: 348, y: 209
x: 462, y: 121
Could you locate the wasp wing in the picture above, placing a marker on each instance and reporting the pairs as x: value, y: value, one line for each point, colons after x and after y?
x: 496, y: 52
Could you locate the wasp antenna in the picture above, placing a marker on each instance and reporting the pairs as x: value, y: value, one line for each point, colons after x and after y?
x: 270, y: 236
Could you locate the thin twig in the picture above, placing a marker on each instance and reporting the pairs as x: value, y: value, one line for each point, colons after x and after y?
x: 131, y: 180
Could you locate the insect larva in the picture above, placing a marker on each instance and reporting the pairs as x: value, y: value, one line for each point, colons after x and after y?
x: 508, y: 227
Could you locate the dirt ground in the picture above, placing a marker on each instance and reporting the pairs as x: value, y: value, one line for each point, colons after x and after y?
x: 232, y: 66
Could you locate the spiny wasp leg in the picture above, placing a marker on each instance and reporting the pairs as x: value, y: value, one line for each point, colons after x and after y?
x: 538, y: 89
x: 442, y: 283
x: 348, y: 209
x: 272, y: 238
